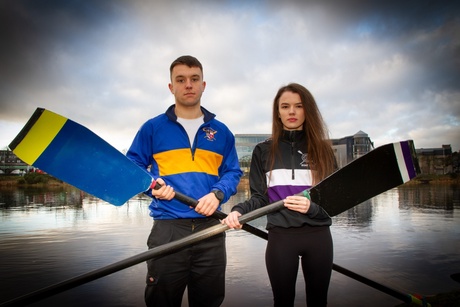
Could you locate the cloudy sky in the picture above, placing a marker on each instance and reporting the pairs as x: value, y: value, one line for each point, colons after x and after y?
x: 390, y: 70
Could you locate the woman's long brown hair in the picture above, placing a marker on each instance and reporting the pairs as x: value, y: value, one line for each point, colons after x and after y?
x: 319, y: 148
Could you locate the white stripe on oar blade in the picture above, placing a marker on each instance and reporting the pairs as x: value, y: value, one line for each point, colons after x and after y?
x: 401, y: 162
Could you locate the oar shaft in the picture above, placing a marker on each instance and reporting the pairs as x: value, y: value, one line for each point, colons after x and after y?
x: 217, y: 214
x: 396, y: 294
x: 156, y: 252
x: 407, y: 298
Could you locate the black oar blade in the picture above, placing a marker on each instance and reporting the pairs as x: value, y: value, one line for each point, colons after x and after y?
x: 455, y: 277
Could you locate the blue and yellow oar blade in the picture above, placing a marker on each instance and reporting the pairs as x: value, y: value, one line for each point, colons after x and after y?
x: 76, y: 155
x: 41, y: 130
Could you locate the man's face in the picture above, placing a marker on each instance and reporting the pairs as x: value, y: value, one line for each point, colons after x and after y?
x: 187, y: 85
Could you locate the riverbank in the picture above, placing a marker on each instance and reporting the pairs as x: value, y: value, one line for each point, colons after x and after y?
x: 450, y: 179
x: 31, y: 179
x: 11, y: 180
x: 436, y: 179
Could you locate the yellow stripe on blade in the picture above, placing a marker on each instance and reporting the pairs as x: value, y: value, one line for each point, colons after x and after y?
x: 39, y: 136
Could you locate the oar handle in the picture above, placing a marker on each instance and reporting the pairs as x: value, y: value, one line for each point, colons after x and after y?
x: 190, y: 201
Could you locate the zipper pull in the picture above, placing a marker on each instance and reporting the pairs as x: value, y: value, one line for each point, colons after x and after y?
x: 292, y: 159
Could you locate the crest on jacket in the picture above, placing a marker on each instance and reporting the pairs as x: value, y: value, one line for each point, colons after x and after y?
x: 210, y: 133
x: 304, y: 161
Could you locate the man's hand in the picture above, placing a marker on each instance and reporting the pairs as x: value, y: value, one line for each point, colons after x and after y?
x: 166, y: 192
x: 207, y: 204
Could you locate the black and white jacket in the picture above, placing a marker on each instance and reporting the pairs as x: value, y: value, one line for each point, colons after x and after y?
x: 291, y: 175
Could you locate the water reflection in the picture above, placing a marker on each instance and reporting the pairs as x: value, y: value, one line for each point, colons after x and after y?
x: 407, y: 238
x: 430, y: 197
x: 11, y: 197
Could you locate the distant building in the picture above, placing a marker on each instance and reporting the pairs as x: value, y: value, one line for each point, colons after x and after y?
x: 456, y: 162
x: 245, y: 144
x: 11, y: 164
x: 436, y: 161
x: 351, y: 147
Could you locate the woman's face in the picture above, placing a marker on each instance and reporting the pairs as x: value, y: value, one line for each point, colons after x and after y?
x: 291, y: 111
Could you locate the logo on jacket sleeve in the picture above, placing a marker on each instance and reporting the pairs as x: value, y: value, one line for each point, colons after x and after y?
x: 210, y: 134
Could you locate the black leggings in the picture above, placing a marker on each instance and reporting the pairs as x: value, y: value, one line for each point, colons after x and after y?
x: 314, y: 246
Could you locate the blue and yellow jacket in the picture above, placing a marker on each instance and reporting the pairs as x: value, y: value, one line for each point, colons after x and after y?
x: 162, y: 146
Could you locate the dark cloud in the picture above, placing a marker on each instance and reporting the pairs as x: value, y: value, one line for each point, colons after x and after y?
x: 423, y: 33
x: 34, y: 33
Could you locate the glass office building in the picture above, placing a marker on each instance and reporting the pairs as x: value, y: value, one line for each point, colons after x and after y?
x: 245, y: 144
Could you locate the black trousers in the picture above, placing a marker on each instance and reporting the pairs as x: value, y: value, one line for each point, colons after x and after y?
x: 314, y: 247
x: 199, y: 267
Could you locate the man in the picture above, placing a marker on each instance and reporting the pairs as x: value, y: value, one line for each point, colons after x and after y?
x: 194, y: 153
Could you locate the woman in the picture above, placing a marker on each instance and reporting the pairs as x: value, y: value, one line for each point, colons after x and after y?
x: 297, y: 156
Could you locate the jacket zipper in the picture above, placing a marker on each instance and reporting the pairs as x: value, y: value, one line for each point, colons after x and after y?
x: 193, y: 147
x: 193, y: 152
x: 291, y: 137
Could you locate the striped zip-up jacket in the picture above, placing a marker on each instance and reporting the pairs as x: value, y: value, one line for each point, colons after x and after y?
x: 291, y: 174
x: 162, y: 146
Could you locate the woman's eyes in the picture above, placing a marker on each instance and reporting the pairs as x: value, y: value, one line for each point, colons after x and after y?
x: 298, y: 106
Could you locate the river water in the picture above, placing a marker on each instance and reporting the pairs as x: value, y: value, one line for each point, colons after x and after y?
x: 407, y: 239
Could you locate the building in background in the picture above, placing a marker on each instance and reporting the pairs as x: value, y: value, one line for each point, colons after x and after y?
x: 10, y: 164
x: 351, y: 147
x: 437, y: 161
x: 245, y: 144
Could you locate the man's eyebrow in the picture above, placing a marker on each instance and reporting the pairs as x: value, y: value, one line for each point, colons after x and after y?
x: 183, y: 76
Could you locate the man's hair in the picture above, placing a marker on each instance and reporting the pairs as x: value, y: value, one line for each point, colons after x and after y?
x: 186, y: 60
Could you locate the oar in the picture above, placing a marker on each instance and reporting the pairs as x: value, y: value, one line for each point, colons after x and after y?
x: 455, y: 277
x: 115, y: 267
x: 406, y: 298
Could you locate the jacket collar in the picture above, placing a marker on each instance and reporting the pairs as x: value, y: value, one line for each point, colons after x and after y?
x: 295, y: 136
x: 172, y: 115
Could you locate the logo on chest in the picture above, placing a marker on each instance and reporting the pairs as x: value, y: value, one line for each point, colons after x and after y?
x: 303, y: 161
x: 210, y: 134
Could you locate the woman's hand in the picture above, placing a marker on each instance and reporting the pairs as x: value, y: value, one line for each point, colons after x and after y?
x: 297, y: 203
x: 232, y: 220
